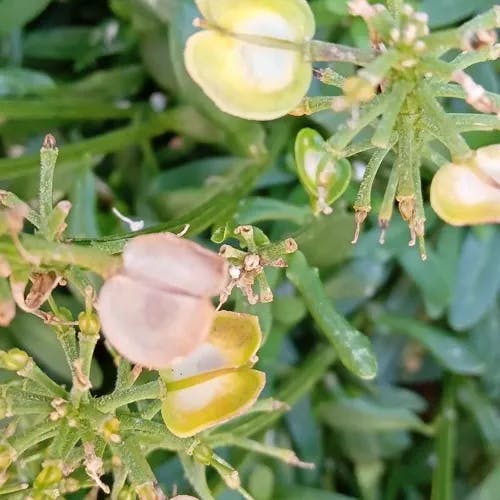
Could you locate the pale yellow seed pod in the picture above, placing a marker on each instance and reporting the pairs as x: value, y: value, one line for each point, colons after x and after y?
x: 246, y: 77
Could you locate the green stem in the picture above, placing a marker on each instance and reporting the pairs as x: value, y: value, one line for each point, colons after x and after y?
x: 469, y: 122
x: 330, y: 77
x: 457, y: 92
x: 134, y: 460
x: 442, y: 483
x: 387, y: 206
x: 311, y: 105
x: 348, y: 131
x: 67, y: 339
x: 10, y: 200
x: 375, y: 72
x: 34, y: 435
x: 110, y: 402
x: 48, y: 158
x: 318, y: 51
x: 33, y: 373
x: 167, y: 440
x: 441, y: 126
x: 357, y: 147
x: 384, y: 131
x: 87, y: 345
x: 52, y: 253
x: 283, y: 454
x: 466, y: 59
x: 441, y: 41
x: 56, y: 109
x: 363, y: 198
x: 151, y: 410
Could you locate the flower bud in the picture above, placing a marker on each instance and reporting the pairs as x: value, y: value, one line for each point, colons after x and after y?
x: 149, y: 491
x: 357, y: 89
x: 203, y: 454
x: 111, y: 430
x: 13, y: 360
x: 89, y: 323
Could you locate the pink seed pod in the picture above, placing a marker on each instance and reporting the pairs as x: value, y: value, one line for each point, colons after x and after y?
x: 157, y: 308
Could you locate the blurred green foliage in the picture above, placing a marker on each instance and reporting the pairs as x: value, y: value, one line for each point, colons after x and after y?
x: 107, y: 79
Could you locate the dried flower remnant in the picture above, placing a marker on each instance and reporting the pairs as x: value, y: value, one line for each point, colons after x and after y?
x: 157, y: 307
x: 246, y: 268
x: 249, y: 59
x: 215, y: 382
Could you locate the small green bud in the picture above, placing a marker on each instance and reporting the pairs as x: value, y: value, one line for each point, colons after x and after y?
x: 48, y: 477
x: 203, y: 454
x: 126, y: 494
x: 111, y: 430
x: 89, y: 323
x: 70, y: 485
x: 149, y: 491
x: 358, y: 89
x: 13, y: 360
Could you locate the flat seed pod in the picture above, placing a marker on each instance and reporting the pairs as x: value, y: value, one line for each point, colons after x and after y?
x: 462, y: 195
x: 215, y: 382
x: 189, y: 411
x: 149, y: 326
x: 487, y: 159
x: 320, y: 173
x: 173, y: 263
x: 245, y: 78
x: 158, y: 308
x: 229, y: 14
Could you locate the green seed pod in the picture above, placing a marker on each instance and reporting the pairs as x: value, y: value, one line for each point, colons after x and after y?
x: 323, y: 176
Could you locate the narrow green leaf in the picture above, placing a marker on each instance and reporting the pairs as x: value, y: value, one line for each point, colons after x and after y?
x: 490, y: 486
x: 484, y: 413
x: 361, y: 415
x: 478, y: 278
x: 452, y: 353
x: 20, y: 82
x: 16, y: 13
x: 353, y: 348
